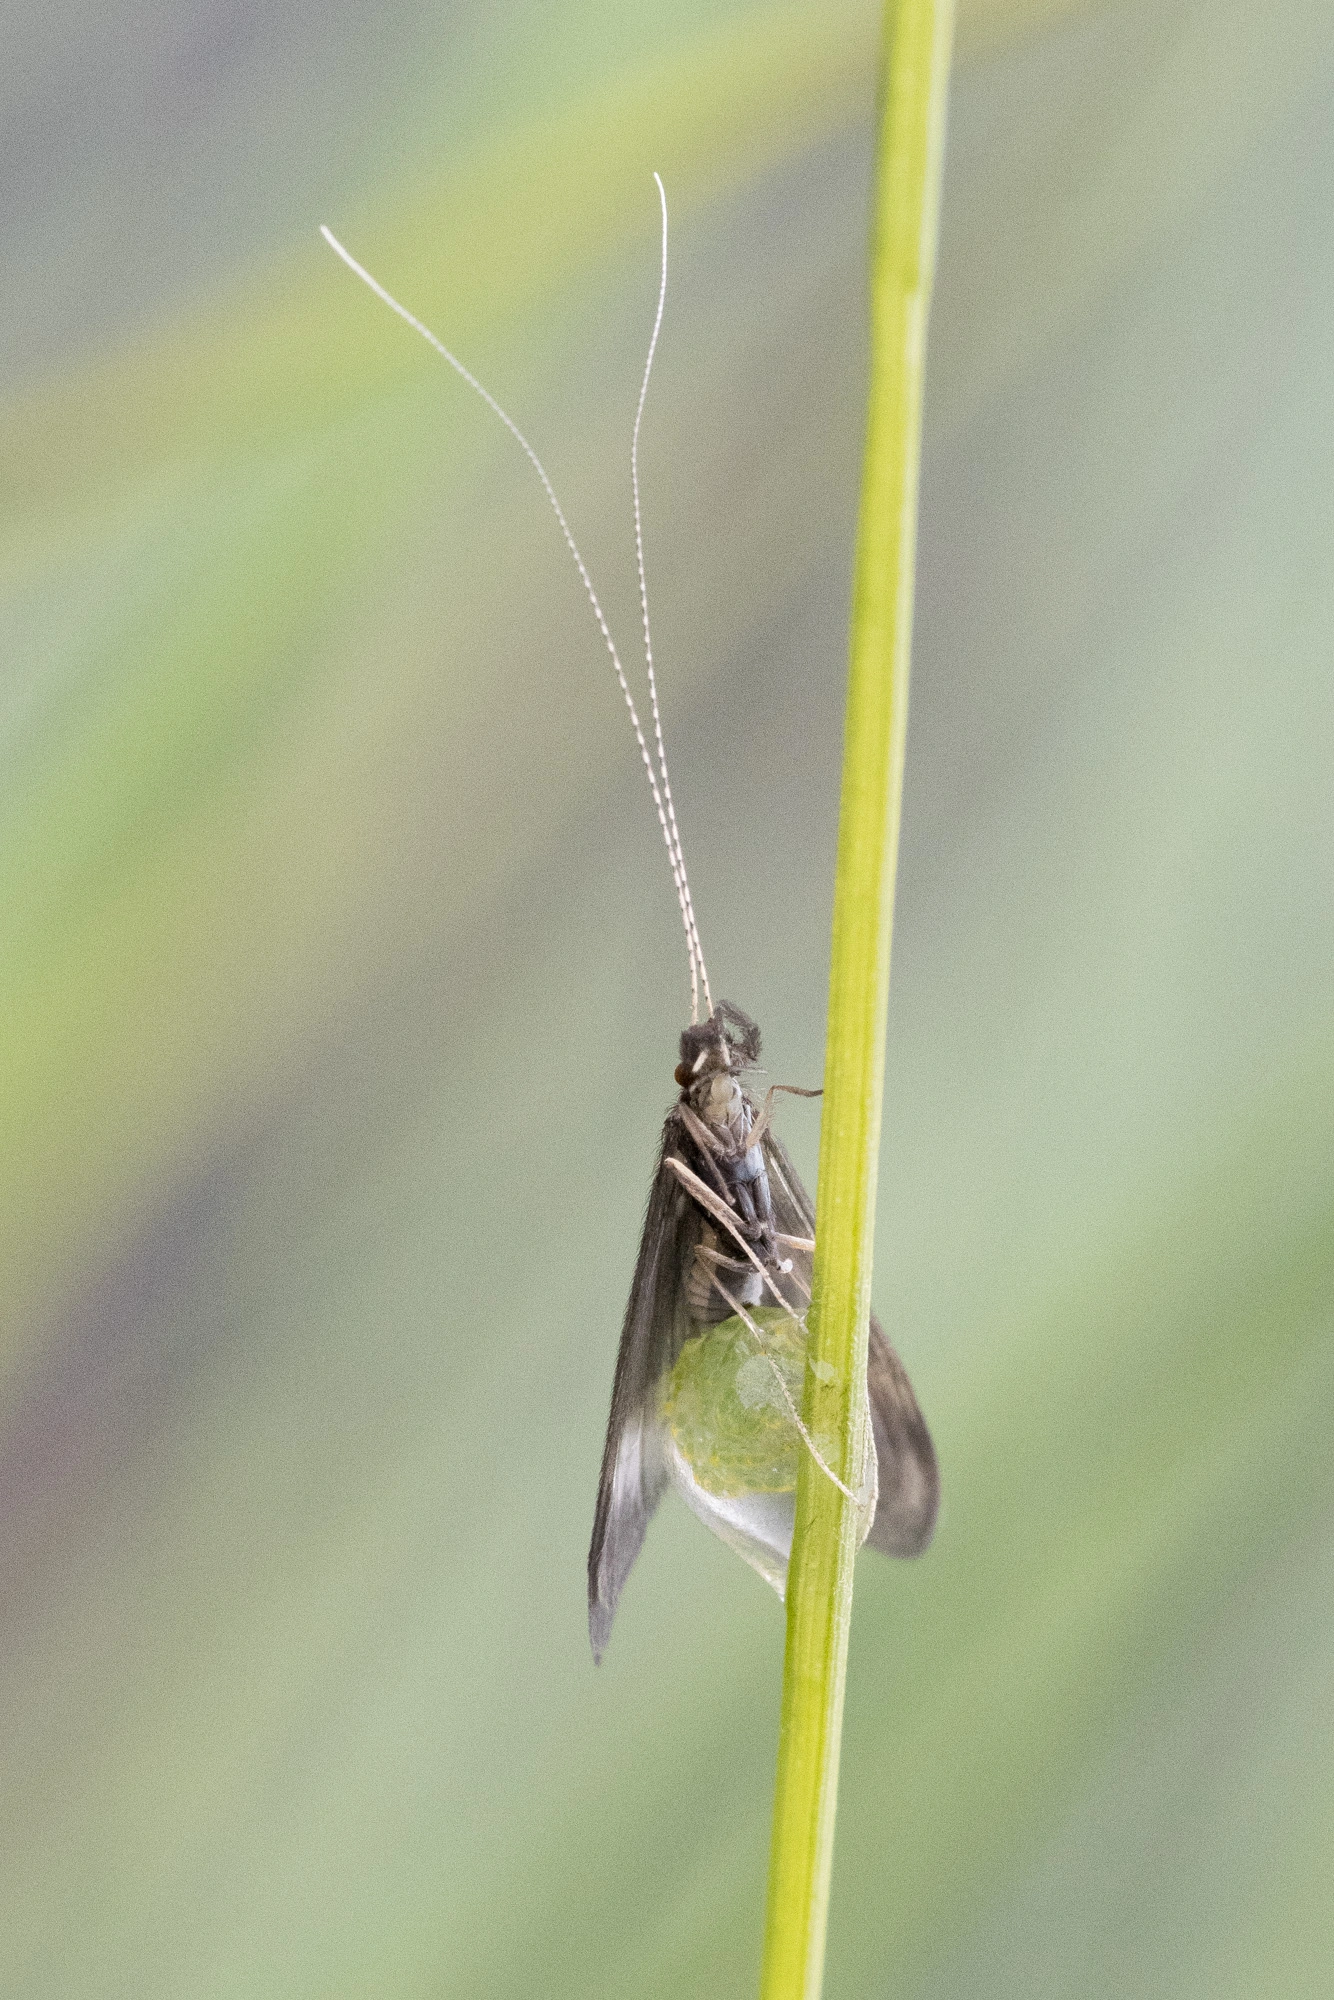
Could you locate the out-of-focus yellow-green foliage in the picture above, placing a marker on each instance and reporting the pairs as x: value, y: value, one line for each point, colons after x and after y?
x: 341, y: 986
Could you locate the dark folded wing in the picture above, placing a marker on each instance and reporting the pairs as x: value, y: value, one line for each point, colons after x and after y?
x: 909, y: 1496
x: 656, y: 1324
x: 905, y: 1514
x: 794, y: 1211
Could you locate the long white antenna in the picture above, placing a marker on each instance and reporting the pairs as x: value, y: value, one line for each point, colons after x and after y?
x: 692, y: 929
x: 672, y: 844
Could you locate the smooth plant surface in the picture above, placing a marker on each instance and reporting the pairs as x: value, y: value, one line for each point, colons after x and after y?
x: 829, y: 1526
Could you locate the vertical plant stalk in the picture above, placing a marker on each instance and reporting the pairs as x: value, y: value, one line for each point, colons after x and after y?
x: 917, y: 39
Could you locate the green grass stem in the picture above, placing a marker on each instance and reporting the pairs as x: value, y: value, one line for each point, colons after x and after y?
x: 917, y: 39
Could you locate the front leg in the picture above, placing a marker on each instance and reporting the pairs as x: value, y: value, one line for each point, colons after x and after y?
x: 714, y: 1156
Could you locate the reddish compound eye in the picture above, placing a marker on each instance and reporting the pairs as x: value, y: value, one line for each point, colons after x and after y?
x: 682, y: 1075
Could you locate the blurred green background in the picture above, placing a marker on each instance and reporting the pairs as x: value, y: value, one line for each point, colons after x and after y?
x: 341, y: 982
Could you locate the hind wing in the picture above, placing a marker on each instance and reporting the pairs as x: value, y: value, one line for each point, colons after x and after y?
x: 909, y: 1477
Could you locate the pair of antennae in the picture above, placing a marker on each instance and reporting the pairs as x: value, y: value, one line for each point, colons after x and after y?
x: 656, y: 771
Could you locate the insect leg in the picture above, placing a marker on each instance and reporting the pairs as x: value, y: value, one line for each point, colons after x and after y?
x: 707, y: 1199
x: 709, y: 1145
x: 764, y: 1117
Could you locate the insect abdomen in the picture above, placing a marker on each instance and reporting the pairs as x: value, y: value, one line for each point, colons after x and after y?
x: 704, y: 1302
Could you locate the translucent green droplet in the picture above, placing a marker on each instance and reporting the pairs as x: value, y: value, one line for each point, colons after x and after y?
x: 724, y: 1408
